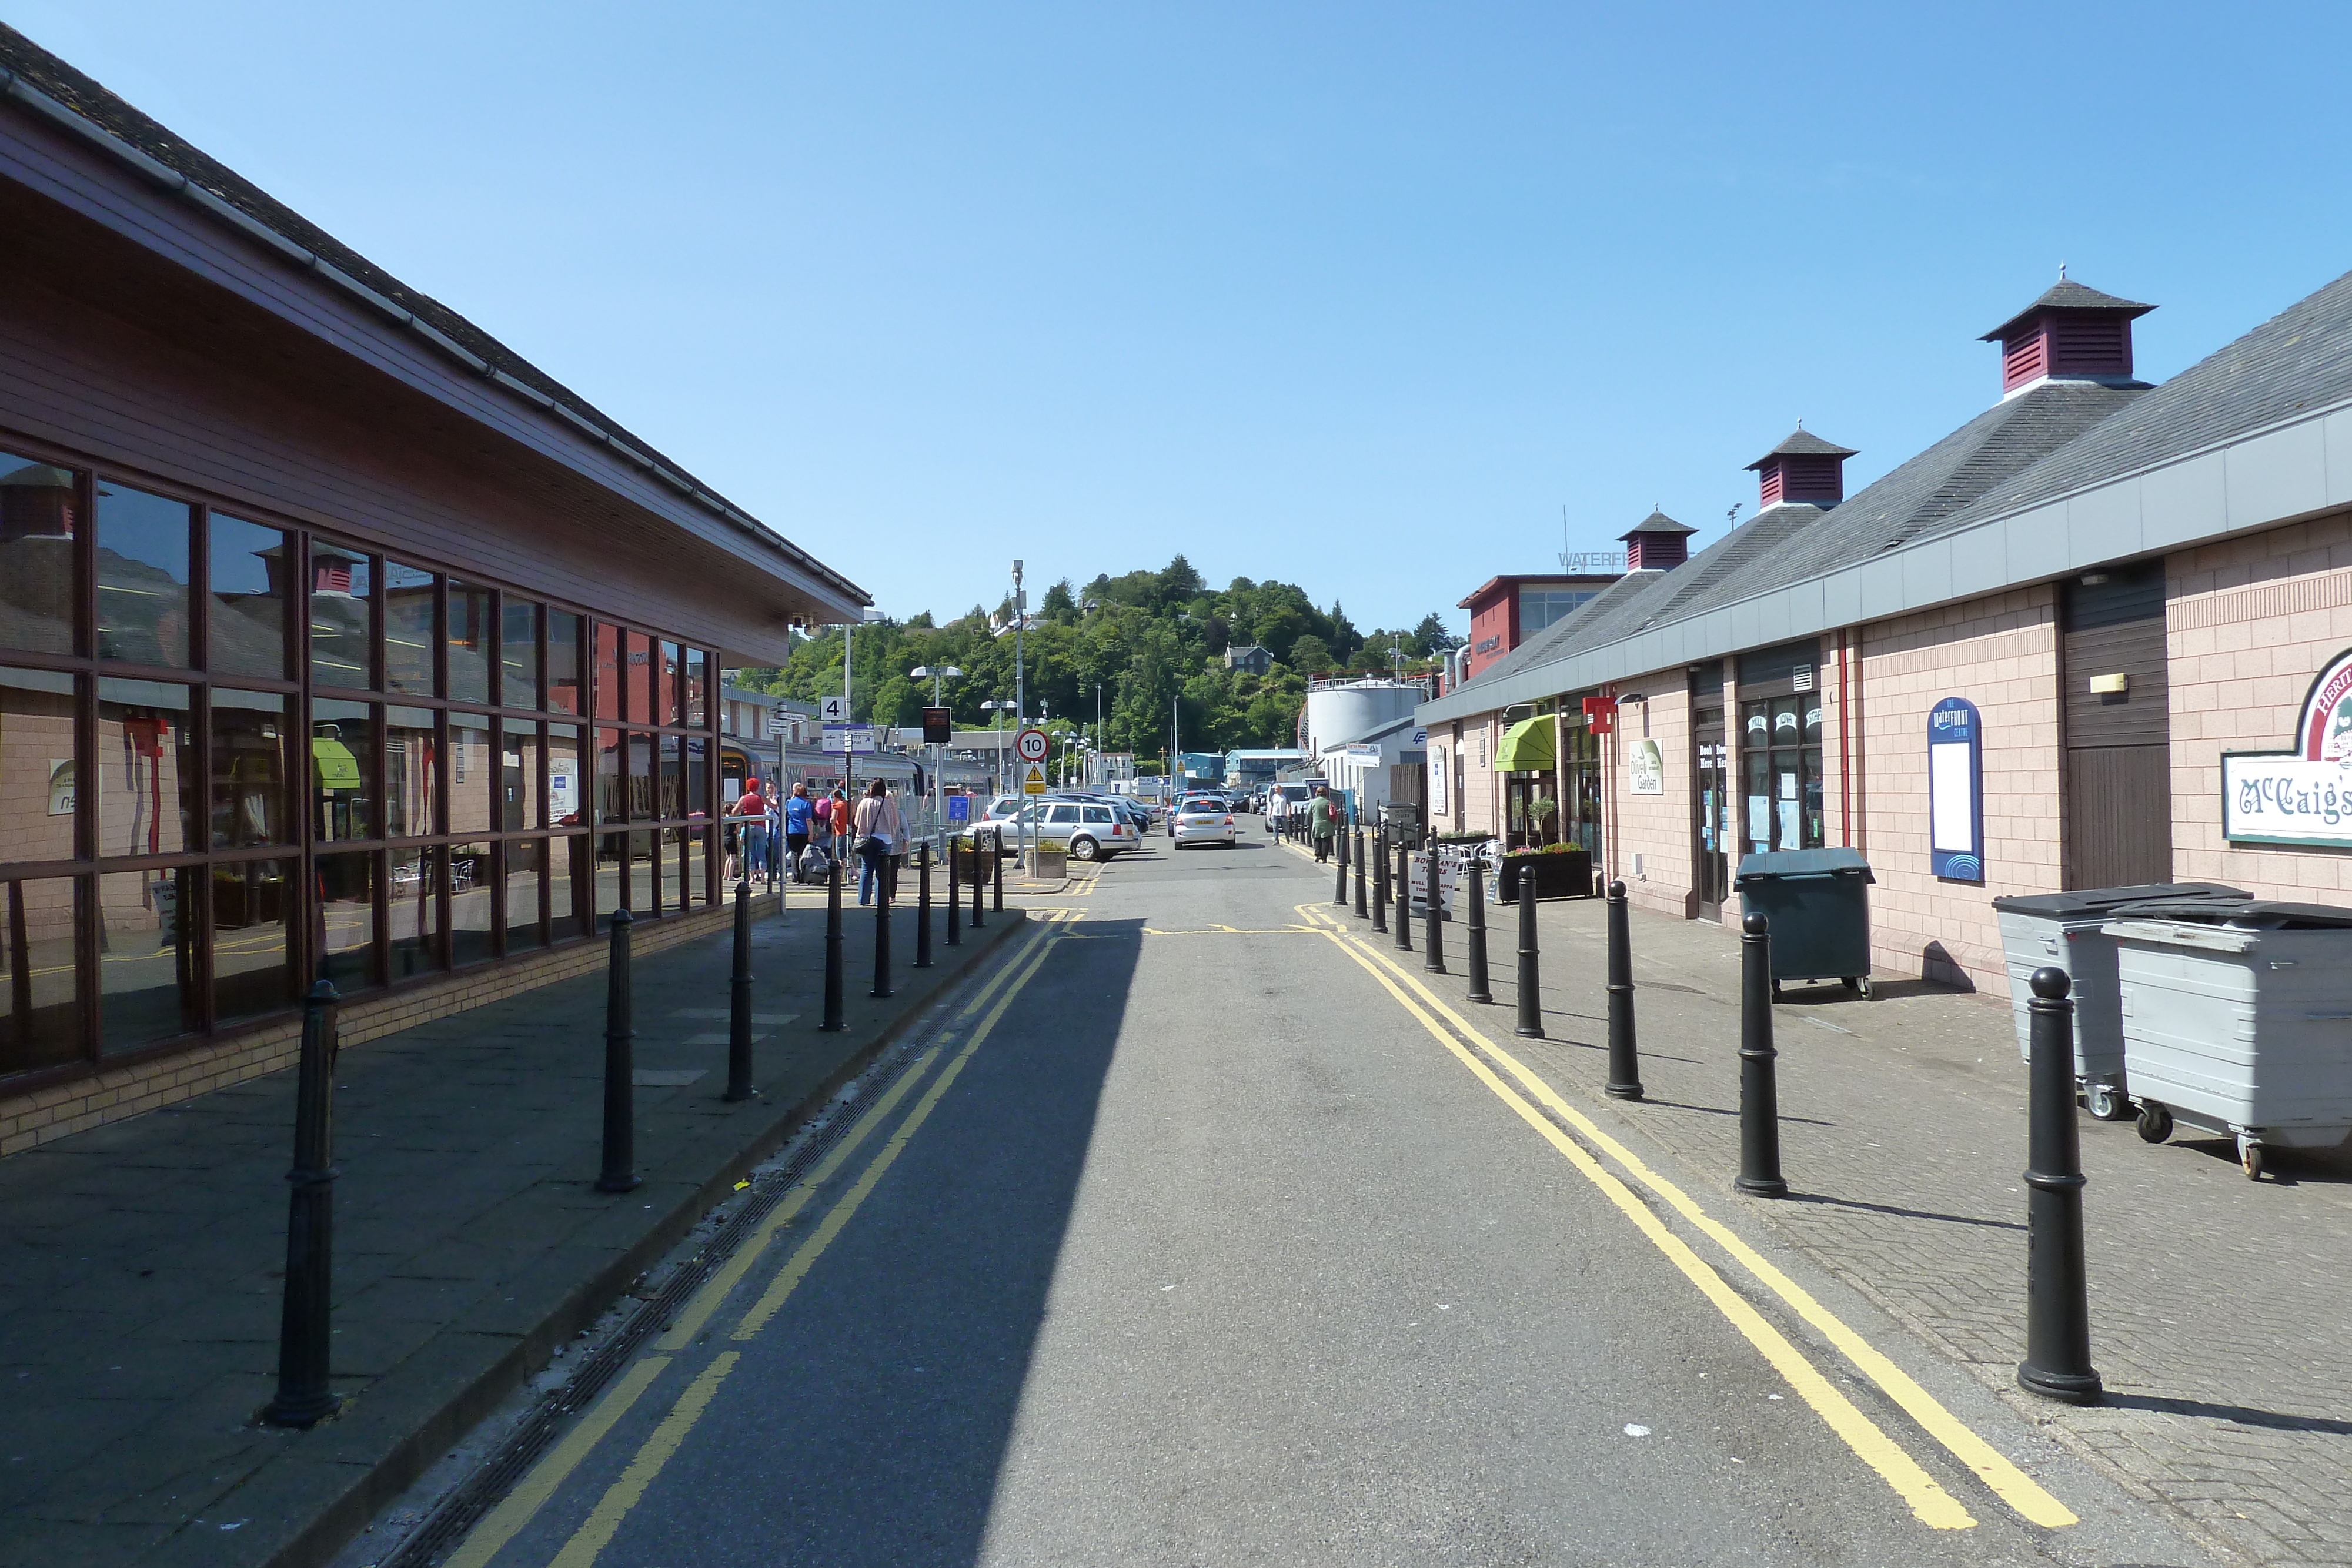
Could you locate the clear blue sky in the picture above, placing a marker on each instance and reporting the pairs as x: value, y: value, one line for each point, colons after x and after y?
x: 1356, y: 296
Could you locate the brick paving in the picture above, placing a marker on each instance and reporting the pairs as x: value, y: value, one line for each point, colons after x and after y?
x: 139, y: 1298
x: 2221, y: 1320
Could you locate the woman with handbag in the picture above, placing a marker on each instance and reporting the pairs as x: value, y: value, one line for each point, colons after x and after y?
x: 879, y: 829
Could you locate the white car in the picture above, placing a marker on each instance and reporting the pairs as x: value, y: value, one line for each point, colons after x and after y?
x: 1201, y: 821
x: 1092, y: 830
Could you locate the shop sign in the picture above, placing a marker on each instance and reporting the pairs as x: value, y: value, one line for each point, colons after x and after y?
x: 61, y: 787
x: 1956, y: 792
x: 1438, y: 780
x: 2303, y: 796
x: 1646, y: 765
x: 563, y: 787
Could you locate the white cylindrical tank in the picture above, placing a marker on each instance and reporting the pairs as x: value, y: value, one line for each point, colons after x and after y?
x: 1338, y: 715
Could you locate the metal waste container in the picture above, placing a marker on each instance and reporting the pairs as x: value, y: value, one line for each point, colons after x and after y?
x: 1819, y: 904
x: 2067, y: 929
x: 2237, y: 1019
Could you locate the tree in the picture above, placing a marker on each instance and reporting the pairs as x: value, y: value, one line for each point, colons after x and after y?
x: 1434, y: 636
x: 1311, y: 654
x: 1059, y: 603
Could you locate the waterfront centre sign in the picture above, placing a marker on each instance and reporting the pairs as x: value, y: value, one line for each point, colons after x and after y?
x: 2303, y: 796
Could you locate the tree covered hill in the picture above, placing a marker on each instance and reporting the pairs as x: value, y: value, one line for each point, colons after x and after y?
x: 1144, y: 639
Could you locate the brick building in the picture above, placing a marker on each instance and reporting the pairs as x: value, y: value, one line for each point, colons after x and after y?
x: 2096, y: 636
x: 336, y: 639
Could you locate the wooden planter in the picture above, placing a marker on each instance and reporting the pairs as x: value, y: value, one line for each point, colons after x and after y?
x: 1567, y: 876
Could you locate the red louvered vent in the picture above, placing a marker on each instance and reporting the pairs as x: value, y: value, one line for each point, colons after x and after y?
x: 2023, y: 360
x: 2089, y: 347
x: 1768, y: 486
x: 1656, y: 553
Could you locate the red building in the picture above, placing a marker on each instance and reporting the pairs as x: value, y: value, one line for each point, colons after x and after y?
x: 1507, y: 611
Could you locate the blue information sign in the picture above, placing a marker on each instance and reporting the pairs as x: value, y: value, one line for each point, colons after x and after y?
x: 1956, y: 792
x: 959, y: 808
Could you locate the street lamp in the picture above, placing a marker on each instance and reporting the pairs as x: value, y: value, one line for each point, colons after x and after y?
x: 1000, y: 710
x: 938, y: 789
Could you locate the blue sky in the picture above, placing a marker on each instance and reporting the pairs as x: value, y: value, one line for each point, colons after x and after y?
x: 1359, y: 296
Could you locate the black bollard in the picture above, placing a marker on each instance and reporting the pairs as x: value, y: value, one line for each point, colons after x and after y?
x: 1380, y: 884
x: 1339, y: 856
x: 1433, y: 931
x: 955, y: 894
x: 1759, y: 1097
x: 2057, y: 1364
x: 738, y: 1016
x: 997, y: 862
x: 1625, y: 1059
x: 1356, y: 853
x: 304, y: 1336
x: 1474, y: 933
x: 923, y: 906
x: 1403, y: 899
x: 1530, y: 982
x: 881, y: 934
x: 833, y: 1022
x: 977, y: 878
x: 620, y: 1173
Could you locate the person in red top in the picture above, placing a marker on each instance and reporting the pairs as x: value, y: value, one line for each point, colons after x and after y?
x: 750, y: 814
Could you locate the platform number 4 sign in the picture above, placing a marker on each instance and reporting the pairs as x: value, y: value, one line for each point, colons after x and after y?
x: 833, y: 710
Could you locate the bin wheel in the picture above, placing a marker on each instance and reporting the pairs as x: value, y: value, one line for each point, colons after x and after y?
x: 2104, y: 1104
x: 2155, y: 1122
x: 2250, y: 1157
x: 1861, y: 987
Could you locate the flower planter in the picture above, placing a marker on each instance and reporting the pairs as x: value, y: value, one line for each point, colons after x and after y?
x: 1565, y: 875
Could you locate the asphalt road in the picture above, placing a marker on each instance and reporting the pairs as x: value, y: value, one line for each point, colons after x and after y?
x: 1205, y: 1236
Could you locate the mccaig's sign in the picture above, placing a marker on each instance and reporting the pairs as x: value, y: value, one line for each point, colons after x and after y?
x: 2303, y: 796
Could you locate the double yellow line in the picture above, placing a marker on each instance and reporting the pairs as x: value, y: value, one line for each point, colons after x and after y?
x: 1531, y: 1097
x: 520, y: 1506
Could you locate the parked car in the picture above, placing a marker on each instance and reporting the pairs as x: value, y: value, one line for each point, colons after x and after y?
x: 1204, y: 819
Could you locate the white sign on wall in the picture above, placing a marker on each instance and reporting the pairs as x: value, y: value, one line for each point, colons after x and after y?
x: 2303, y: 796
x: 1438, y: 780
x: 1645, y: 768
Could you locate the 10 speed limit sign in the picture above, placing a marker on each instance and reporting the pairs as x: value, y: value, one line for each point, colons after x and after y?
x: 1031, y: 745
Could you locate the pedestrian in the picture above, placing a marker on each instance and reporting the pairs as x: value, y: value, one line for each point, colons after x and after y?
x: 750, y: 813
x: 878, y: 830
x: 1323, y: 821
x: 775, y: 831
x: 800, y: 818
x: 837, y: 824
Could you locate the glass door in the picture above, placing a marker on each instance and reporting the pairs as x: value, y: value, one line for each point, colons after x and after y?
x: 1711, y: 827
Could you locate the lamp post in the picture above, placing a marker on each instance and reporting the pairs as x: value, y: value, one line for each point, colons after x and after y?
x: 1000, y: 710
x: 937, y: 675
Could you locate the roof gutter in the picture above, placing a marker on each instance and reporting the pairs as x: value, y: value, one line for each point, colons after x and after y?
x: 15, y: 88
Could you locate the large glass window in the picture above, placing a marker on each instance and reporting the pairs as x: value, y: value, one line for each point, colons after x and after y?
x: 412, y: 760
x: 697, y: 686
x: 149, y: 983
x: 640, y: 679
x: 345, y: 922
x: 610, y: 690
x: 562, y: 662
x: 518, y: 653
x: 671, y: 801
x: 142, y: 576
x: 469, y: 642
x: 1539, y: 607
x: 472, y: 882
x: 517, y: 774
x: 472, y: 779
x: 1780, y: 755
x: 40, y: 1003
x: 408, y: 633
x: 253, y: 911
x: 247, y: 581
x: 39, y: 504
x: 565, y: 780
x: 248, y: 795
x: 343, y: 768
x: 526, y: 863
x: 341, y: 626
x: 666, y: 671
x: 611, y: 796
x: 570, y: 871
x: 416, y: 919
x: 147, y: 781
x: 39, y: 779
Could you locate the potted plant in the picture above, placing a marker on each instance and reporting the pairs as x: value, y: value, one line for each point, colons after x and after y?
x: 1555, y: 871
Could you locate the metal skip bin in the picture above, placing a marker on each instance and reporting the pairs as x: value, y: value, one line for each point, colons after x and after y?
x: 1818, y: 902
x: 2237, y: 1019
x: 2068, y: 929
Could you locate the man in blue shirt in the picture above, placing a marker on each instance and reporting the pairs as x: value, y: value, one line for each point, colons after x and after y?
x: 800, y: 813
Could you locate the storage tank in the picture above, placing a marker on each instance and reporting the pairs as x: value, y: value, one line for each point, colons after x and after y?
x: 1337, y: 715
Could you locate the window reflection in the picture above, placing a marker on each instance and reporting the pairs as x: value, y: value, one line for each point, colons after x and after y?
x: 39, y: 505
x: 612, y: 800
x: 408, y: 634
x: 142, y: 576
x: 253, y: 905
x: 517, y: 774
x: 146, y: 785
x: 40, y: 780
x: 672, y: 802
x: 639, y: 678
x: 469, y: 642
x: 341, y: 587
x: 570, y: 871
x: 343, y: 768
x: 343, y: 928
x: 518, y: 653
x: 412, y: 759
x: 526, y: 860
x: 565, y: 799
x: 40, y: 1008
x: 610, y: 689
x: 248, y: 801
x: 471, y: 780
x: 562, y: 662
x: 415, y: 924
x: 667, y: 670
x: 147, y: 974
x: 697, y: 686
x: 472, y: 879
x: 246, y: 582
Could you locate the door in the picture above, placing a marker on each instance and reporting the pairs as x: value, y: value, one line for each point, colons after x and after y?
x: 1711, y: 816
x: 2119, y: 729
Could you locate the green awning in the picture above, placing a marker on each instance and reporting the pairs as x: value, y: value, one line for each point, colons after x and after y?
x: 338, y: 769
x: 1527, y: 746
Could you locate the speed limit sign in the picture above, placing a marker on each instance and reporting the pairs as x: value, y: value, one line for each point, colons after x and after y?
x: 1031, y: 745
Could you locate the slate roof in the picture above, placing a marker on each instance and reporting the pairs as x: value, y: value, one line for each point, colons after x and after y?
x: 45, y: 72
x: 2068, y: 295
x: 1658, y: 523
x: 1803, y: 442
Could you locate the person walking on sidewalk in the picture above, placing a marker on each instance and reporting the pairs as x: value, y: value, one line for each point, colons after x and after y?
x: 750, y: 814
x: 1323, y: 821
x: 878, y: 832
x: 800, y: 817
x: 837, y: 824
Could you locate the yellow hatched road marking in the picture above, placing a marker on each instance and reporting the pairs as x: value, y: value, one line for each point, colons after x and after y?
x: 1930, y: 1502
x: 2011, y: 1484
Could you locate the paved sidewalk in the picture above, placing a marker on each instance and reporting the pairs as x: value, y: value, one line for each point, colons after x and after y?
x: 2221, y: 1319
x: 139, y: 1302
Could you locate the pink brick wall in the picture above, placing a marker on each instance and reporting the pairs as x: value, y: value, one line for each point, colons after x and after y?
x: 2249, y: 624
x: 1655, y: 826
x: 1481, y: 796
x: 2001, y: 653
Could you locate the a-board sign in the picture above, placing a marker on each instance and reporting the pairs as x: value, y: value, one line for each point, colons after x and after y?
x: 1031, y: 745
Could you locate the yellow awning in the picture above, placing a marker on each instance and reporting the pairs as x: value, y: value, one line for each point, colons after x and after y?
x: 1527, y: 746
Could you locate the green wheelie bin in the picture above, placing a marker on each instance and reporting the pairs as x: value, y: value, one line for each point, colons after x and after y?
x: 1819, y: 904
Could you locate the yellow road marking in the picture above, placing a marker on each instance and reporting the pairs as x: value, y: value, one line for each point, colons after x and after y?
x: 2011, y: 1484
x: 1236, y: 931
x: 624, y: 1494
x: 1930, y: 1502
x: 516, y: 1509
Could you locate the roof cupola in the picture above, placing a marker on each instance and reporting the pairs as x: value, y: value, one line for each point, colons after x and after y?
x: 2071, y: 333
x: 1803, y: 469
x: 1656, y: 543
